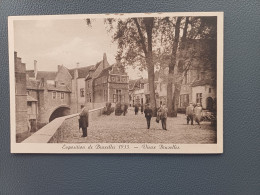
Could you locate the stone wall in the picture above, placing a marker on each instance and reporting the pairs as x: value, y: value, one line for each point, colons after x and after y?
x: 56, y: 130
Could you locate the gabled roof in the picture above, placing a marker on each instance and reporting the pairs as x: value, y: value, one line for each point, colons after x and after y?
x: 82, y: 71
x: 105, y: 71
x: 47, y: 75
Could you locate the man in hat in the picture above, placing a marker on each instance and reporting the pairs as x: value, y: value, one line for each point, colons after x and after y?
x: 148, y: 113
x: 197, y: 113
x: 163, y: 113
x: 189, y: 113
x: 83, y: 121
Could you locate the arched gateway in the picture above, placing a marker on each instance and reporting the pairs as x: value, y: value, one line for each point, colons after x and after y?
x: 59, y: 112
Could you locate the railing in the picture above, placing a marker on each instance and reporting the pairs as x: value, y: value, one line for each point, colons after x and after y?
x: 52, y: 132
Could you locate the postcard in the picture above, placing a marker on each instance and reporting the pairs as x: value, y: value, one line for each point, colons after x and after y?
x: 116, y: 83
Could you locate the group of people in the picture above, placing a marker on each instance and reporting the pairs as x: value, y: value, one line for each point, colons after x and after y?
x: 136, y: 109
x: 161, y: 115
x: 193, y: 113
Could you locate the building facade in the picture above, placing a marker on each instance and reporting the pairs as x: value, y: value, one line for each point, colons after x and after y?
x: 106, y: 83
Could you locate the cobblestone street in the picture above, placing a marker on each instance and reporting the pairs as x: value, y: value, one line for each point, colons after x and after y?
x: 132, y: 129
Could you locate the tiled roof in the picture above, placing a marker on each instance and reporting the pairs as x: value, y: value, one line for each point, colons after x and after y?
x: 47, y: 75
x: 105, y: 71
x: 62, y: 88
x: 32, y: 84
x: 31, y: 99
x: 82, y: 71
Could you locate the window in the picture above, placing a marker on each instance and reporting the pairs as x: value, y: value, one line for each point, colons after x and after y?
x: 114, y: 98
x: 82, y: 106
x: 62, y: 95
x: 198, y: 98
x: 82, y: 92
x: 117, y: 97
x: 89, y: 97
x: 28, y: 92
x: 53, y: 95
x: 209, y: 90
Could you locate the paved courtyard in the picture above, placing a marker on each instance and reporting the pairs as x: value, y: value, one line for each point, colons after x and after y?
x: 132, y: 129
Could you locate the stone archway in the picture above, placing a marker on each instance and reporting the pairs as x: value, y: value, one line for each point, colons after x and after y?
x: 59, y: 112
x: 210, y: 103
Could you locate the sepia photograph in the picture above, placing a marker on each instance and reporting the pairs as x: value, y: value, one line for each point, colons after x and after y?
x: 116, y: 83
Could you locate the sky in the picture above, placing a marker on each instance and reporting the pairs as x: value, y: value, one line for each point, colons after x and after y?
x: 65, y: 42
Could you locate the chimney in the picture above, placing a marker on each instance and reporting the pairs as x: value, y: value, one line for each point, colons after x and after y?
x: 35, y: 68
x: 105, y: 62
x: 59, y: 66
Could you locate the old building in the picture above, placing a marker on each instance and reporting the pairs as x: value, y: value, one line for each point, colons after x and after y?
x: 106, y: 83
x: 42, y: 96
x: 139, y: 92
x: 199, y: 83
x: 78, y: 95
x: 51, y: 94
x: 20, y: 96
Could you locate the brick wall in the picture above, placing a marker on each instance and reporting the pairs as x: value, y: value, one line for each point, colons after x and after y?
x: 20, y: 96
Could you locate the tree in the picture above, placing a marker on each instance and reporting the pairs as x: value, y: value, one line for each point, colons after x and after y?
x: 174, y: 45
x: 135, y: 38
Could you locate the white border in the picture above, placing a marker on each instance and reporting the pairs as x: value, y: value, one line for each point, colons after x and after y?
x: 133, y: 148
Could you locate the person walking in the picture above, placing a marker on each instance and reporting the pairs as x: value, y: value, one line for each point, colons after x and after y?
x: 197, y: 113
x: 142, y: 108
x: 125, y: 109
x: 83, y: 121
x: 148, y: 113
x: 189, y: 113
x: 136, y: 109
x: 163, y: 113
